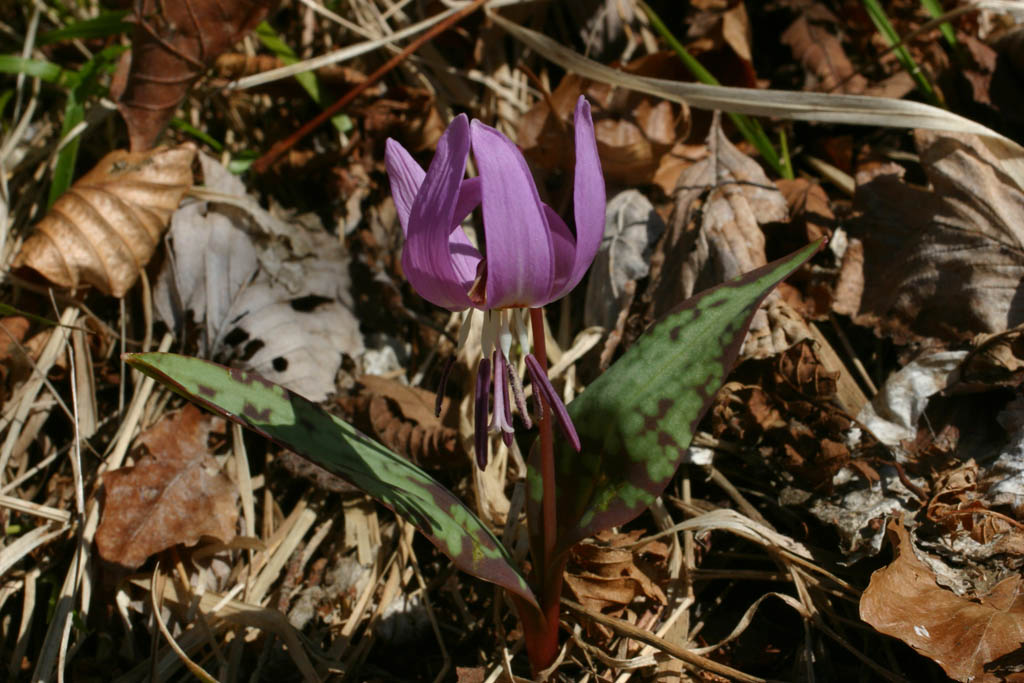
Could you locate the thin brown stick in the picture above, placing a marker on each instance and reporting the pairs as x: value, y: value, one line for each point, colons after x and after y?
x: 630, y: 631
x: 267, y: 160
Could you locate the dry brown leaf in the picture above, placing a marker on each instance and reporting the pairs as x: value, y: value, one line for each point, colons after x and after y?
x: 823, y: 58
x: 13, y: 329
x: 714, y: 234
x: 945, y: 262
x: 172, y: 44
x: 995, y: 360
x: 634, y: 132
x: 105, y: 228
x: 402, y: 418
x: 176, y: 494
x: 606, y: 578
x: 976, y: 640
x: 809, y: 207
x: 786, y: 405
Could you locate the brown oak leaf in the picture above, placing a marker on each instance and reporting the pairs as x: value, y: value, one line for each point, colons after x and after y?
x: 945, y: 261
x: 105, y: 228
x: 172, y: 45
x: 176, y: 494
x: 976, y: 640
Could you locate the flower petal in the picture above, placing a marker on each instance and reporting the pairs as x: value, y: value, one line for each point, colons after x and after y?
x: 520, y: 263
x: 406, y: 176
x: 465, y: 255
x: 427, y: 257
x: 543, y: 390
x: 588, y: 198
x: 563, y: 246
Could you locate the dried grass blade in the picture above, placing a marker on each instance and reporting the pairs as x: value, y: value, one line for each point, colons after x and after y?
x: 803, y: 106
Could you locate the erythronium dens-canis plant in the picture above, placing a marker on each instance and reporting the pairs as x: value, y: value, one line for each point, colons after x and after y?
x: 625, y: 434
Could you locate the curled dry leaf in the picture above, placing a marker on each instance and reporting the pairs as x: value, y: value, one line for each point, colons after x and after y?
x: 402, y: 418
x: 821, y: 54
x: 944, y: 262
x: 785, y: 405
x: 605, y: 577
x: 176, y: 494
x: 105, y: 228
x: 634, y: 132
x: 976, y: 640
x: 172, y: 44
x: 632, y: 226
x: 714, y: 235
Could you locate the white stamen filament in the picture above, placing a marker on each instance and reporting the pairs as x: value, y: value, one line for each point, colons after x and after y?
x: 521, y: 318
x: 488, y: 333
x: 464, y: 327
x: 504, y: 335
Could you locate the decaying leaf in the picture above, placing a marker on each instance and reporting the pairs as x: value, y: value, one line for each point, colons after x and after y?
x: 633, y: 131
x: 176, y: 494
x: 173, y: 43
x: 714, y: 235
x: 105, y: 228
x: 271, y: 296
x: 976, y: 640
x: 605, y: 576
x: 786, y: 406
x: 402, y: 418
x: 947, y: 261
x: 819, y: 51
x: 995, y: 360
x: 632, y: 226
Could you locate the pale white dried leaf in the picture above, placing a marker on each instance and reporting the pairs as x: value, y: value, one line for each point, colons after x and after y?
x: 632, y: 227
x: 281, y: 307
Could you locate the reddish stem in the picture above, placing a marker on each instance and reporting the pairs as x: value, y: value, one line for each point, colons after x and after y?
x: 541, y: 630
x: 264, y: 162
x: 547, y: 450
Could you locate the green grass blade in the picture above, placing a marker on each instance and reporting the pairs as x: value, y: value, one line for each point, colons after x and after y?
x: 750, y: 128
x: 307, y: 79
x: 305, y: 428
x: 103, y: 26
x: 885, y: 27
x: 934, y: 8
x: 36, y: 68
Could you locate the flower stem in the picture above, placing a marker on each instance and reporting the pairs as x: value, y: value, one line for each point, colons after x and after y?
x: 542, y: 633
x: 547, y: 451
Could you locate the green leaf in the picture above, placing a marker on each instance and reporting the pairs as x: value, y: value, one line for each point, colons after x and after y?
x: 638, y: 418
x: 302, y: 426
x: 37, y: 68
x: 307, y: 79
x: 106, y: 24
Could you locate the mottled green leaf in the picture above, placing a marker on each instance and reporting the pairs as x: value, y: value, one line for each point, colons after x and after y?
x: 302, y: 426
x: 637, y: 419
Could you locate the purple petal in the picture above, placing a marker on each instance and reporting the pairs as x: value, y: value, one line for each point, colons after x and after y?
x: 465, y: 256
x: 563, y: 246
x: 542, y: 387
x: 427, y: 257
x: 406, y: 176
x: 483, y: 389
x: 588, y: 198
x: 520, y: 264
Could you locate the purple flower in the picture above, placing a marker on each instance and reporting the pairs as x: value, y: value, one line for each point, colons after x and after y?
x: 530, y: 256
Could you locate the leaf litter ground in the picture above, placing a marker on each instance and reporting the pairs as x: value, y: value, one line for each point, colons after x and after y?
x: 878, y: 389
